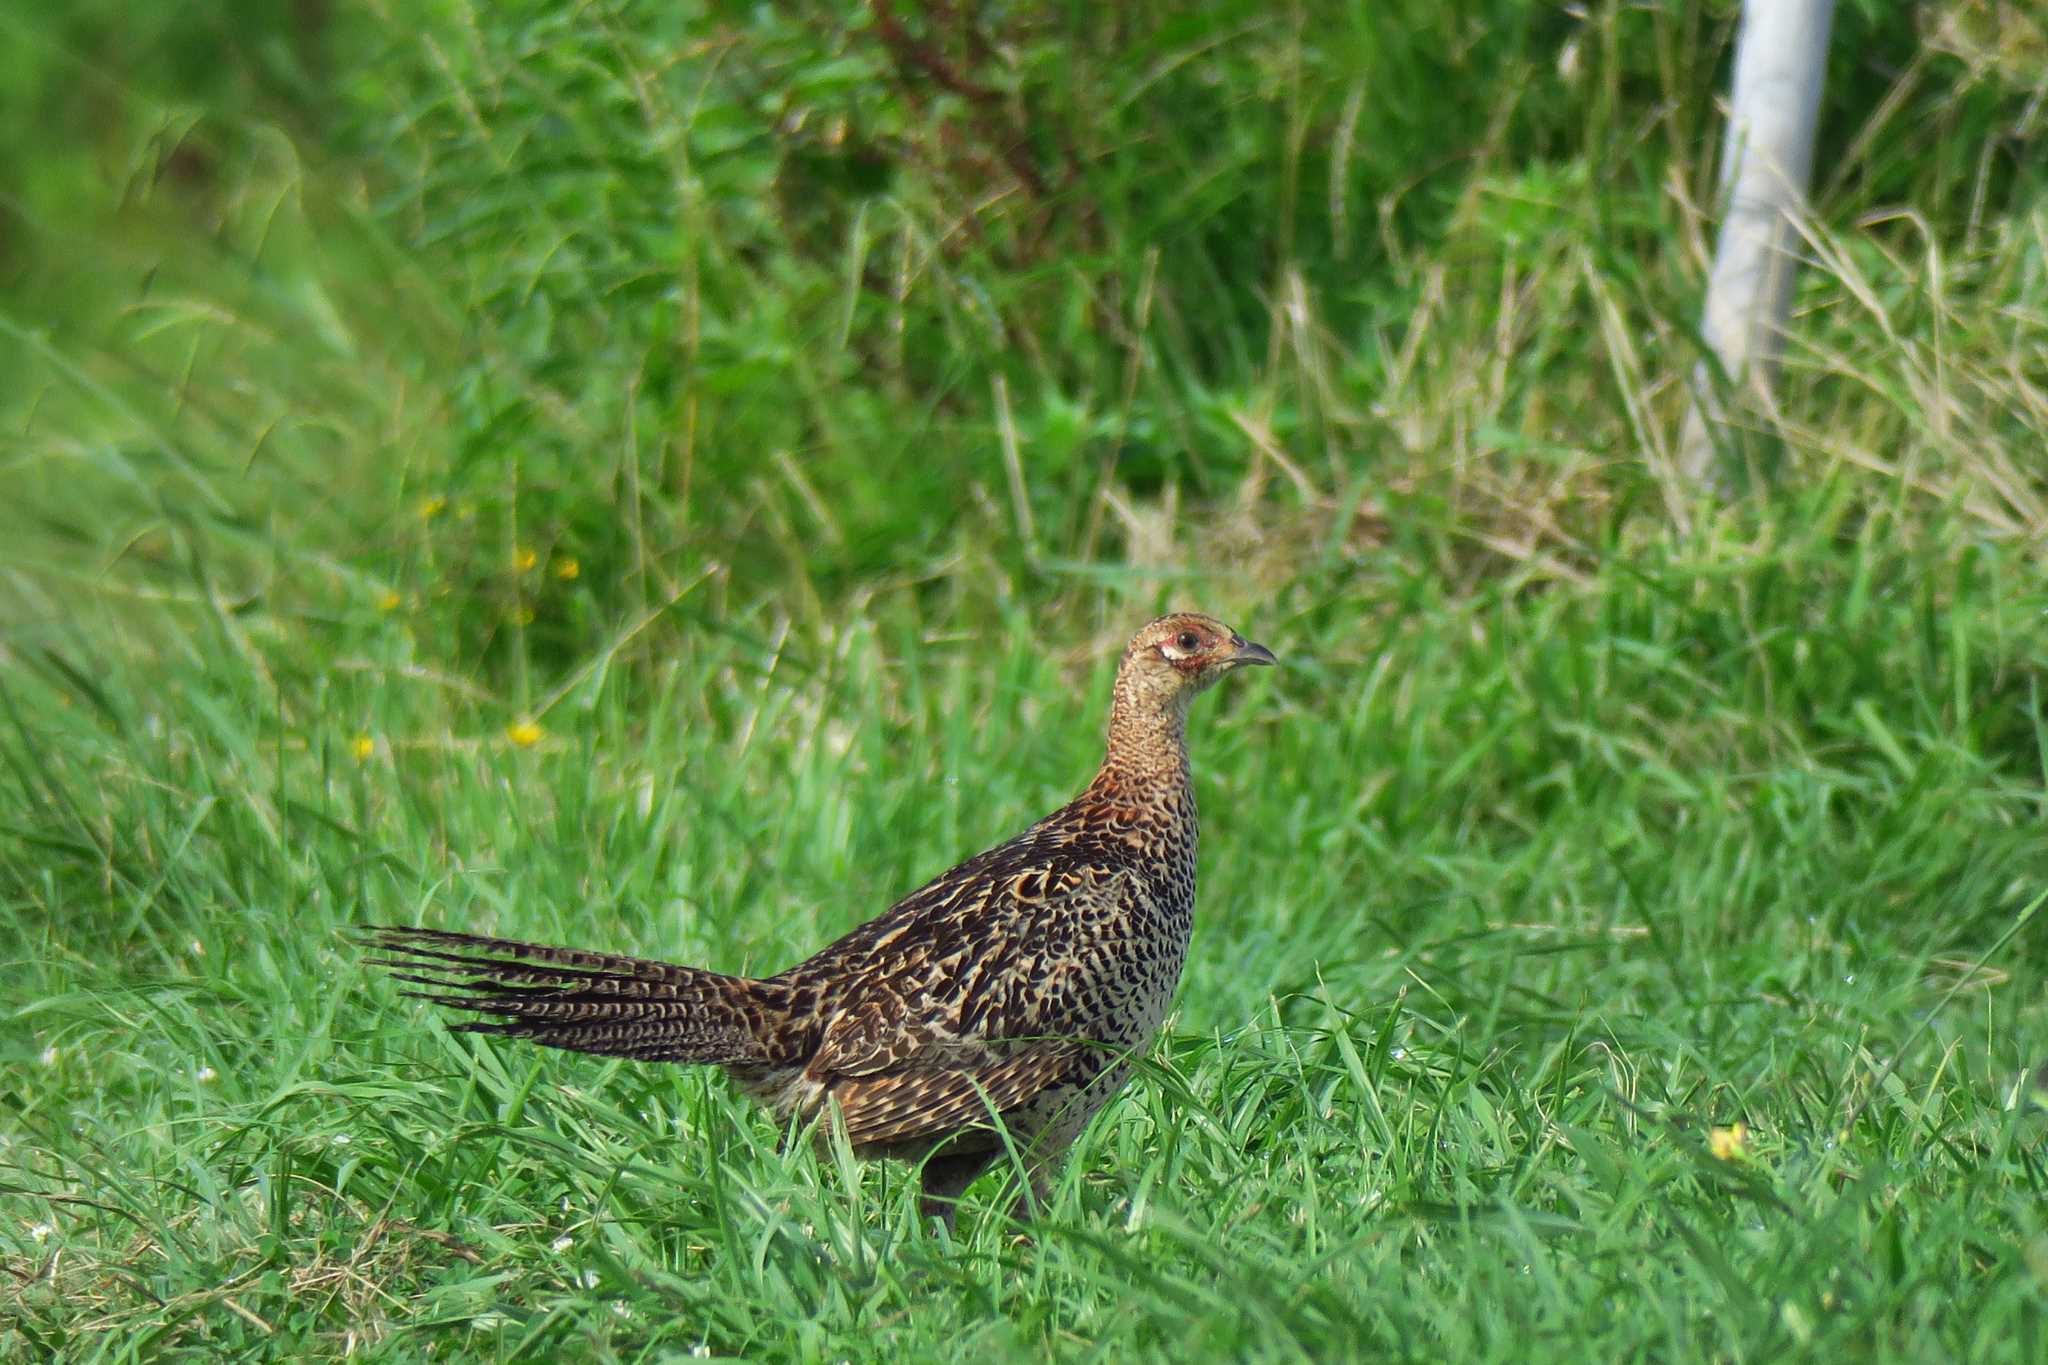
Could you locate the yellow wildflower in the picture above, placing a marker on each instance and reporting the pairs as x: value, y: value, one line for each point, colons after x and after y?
x: 1730, y: 1143
x: 432, y: 507
x: 363, y: 747
x: 525, y: 560
x: 525, y: 734
x: 390, y: 601
x: 567, y: 568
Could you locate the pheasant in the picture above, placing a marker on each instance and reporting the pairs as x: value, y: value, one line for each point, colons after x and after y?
x: 1020, y: 985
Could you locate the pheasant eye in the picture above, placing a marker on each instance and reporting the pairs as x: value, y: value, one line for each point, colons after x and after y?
x: 1189, y: 641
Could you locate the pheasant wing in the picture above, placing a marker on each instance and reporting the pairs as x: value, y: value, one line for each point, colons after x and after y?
x: 963, y: 1013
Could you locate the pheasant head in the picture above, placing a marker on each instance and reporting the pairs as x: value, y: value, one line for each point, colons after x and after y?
x: 1169, y: 663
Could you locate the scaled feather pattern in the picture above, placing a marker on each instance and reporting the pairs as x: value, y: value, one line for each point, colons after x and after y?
x: 1019, y: 986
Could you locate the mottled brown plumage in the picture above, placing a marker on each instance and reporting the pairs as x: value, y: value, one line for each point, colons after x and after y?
x: 1021, y: 983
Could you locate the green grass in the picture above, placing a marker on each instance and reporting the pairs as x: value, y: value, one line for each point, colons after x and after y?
x: 1586, y: 821
x: 1502, y: 909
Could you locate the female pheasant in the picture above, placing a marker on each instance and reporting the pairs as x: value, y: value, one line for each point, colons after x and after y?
x: 1018, y: 986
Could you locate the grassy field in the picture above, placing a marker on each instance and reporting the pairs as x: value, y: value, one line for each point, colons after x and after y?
x: 672, y: 480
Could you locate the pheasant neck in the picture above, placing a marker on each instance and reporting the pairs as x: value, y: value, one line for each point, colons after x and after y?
x: 1148, y: 743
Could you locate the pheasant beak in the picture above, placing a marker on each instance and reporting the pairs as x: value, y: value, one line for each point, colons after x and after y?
x: 1245, y: 652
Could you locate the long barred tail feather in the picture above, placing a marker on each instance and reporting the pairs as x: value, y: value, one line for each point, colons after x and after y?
x: 583, y: 1001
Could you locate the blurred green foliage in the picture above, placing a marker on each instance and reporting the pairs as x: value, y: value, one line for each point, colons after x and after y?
x: 666, y: 285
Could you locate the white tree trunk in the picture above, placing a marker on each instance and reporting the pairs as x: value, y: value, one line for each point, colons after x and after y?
x: 1766, y: 163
